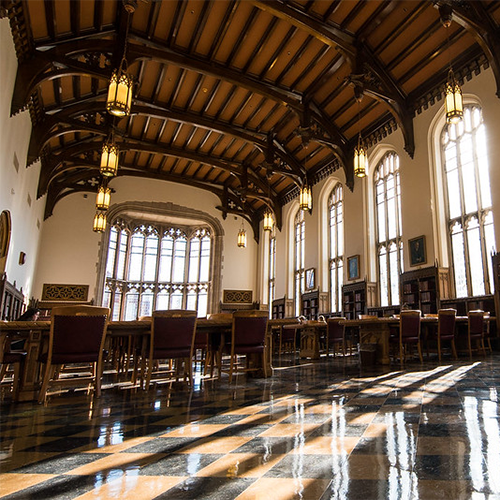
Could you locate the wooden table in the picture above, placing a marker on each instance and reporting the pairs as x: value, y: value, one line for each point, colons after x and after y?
x: 310, y: 332
x: 35, y: 332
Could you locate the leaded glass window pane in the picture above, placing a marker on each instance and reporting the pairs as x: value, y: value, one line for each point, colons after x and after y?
x: 157, y: 270
x: 388, y: 220
x: 468, y: 193
x: 336, y: 245
x: 150, y: 257
x: 136, y: 255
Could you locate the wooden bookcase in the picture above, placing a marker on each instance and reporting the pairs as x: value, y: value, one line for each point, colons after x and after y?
x: 466, y: 304
x: 11, y: 300
x: 424, y: 288
x: 355, y: 299
x: 310, y: 304
x: 278, y: 309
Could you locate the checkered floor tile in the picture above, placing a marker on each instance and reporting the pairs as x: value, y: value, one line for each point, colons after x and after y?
x: 315, y: 430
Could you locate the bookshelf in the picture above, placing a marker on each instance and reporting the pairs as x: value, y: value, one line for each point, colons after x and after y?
x: 423, y: 288
x: 310, y: 304
x: 356, y: 297
x: 278, y: 309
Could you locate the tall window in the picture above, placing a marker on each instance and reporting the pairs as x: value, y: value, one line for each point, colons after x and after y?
x: 336, y: 254
x: 470, y: 218
x: 389, y: 243
x: 272, y: 273
x: 300, y: 230
x: 154, y: 267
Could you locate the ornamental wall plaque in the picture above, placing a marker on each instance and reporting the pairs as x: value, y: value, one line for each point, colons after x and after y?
x: 66, y: 293
x: 237, y: 297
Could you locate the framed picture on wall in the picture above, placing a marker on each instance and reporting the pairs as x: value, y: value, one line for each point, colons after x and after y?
x: 310, y: 279
x: 353, y: 267
x: 417, y: 251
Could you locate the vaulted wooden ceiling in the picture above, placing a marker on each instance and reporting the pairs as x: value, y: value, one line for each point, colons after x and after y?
x: 246, y: 99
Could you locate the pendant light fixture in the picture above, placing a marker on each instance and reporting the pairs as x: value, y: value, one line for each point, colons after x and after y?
x: 305, y: 197
x: 242, y: 236
x: 453, y: 93
x: 103, y: 197
x: 360, y: 154
x: 268, y: 223
x: 99, y: 222
x: 109, y: 158
x: 121, y: 83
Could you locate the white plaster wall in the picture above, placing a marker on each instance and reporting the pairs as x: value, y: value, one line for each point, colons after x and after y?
x: 16, y: 185
x: 70, y: 249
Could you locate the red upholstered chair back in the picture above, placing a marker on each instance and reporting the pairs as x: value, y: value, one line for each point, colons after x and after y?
x: 446, y: 323
x: 476, y: 323
x: 77, y: 334
x: 173, y: 331
x: 409, y: 324
x: 336, y: 331
x: 249, y: 329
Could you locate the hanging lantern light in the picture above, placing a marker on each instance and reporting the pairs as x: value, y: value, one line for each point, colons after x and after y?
x: 120, y: 91
x: 109, y: 158
x: 99, y: 222
x: 103, y: 198
x: 119, y: 99
x: 305, y: 198
x: 453, y: 103
x: 242, y: 238
x: 453, y: 93
x: 268, y: 223
x: 360, y: 159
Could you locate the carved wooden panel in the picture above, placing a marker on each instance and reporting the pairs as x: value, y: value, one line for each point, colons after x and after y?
x: 237, y: 296
x: 65, y: 293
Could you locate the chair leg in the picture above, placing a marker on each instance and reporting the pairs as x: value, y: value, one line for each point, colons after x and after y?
x: 3, y: 371
x: 419, y: 347
x: 49, y: 371
x: 454, y: 349
x: 16, y: 381
x: 231, y: 365
x: 439, y: 349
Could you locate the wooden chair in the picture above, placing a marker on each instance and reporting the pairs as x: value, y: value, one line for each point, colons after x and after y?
x: 475, y: 331
x: 15, y: 359
x: 445, y: 331
x: 217, y: 343
x: 77, y: 337
x: 248, y: 336
x: 335, y: 335
x: 409, y: 333
x: 287, y: 340
x: 172, y: 338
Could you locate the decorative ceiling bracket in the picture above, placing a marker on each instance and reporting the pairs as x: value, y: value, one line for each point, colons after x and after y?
x: 474, y: 17
x: 370, y: 78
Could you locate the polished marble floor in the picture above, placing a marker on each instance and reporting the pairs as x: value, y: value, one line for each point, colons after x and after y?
x: 315, y: 430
